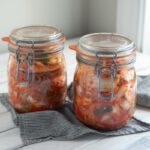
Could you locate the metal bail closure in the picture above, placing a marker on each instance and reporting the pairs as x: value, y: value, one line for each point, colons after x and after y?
x: 22, y: 58
x: 102, y: 70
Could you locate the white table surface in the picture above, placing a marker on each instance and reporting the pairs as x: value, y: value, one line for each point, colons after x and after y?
x: 11, y: 139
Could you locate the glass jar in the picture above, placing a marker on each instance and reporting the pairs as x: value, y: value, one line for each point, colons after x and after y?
x: 104, y: 80
x: 36, y: 68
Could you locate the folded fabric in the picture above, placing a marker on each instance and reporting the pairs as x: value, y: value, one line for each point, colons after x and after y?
x: 143, y: 91
x: 63, y: 124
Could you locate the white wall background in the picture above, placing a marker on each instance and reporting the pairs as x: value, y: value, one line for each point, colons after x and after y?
x: 74, y: 17
x: 121, y: 16
x: 127, y: 17
x: 146, y: 32
x: 130, y: 19
x: 65, y: 14
x: 69, y: 15
x: 102, y: 15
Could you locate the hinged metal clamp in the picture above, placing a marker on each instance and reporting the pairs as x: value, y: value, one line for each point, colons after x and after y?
x: 102, y: 70
x: 22, y: 58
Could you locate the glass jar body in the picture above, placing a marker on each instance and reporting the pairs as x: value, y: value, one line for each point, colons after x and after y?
x: 47, y: 86
x: 99, y: 113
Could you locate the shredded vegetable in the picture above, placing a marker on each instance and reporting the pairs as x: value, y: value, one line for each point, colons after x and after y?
x: 104, y: 114
x: 47, y: 88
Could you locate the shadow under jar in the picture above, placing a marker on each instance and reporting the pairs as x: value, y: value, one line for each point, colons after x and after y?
x: 36, y: 68
x: 104, y: 80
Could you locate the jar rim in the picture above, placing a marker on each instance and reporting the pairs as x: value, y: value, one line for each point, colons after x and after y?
x: 45, y: 41
x: 37, y: 34
x: 105, y: 43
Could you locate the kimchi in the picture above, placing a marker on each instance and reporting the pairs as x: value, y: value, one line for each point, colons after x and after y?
x: 105, y: 80
x: 36, y: 69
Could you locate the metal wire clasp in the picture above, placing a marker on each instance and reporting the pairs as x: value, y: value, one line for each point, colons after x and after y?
x: 22, y: 58
x: 111, y: 70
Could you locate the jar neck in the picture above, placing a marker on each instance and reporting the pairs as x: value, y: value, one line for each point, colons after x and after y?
x: 107, y: 61
x: 36, y: 52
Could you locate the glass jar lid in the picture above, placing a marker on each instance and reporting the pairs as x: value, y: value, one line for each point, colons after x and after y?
x: 37, y: 34
x: 42, y: 38
x: 105, y: 43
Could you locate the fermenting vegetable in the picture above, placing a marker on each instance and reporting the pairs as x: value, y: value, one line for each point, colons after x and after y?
x: 36, y: 68
x: 105, y: 80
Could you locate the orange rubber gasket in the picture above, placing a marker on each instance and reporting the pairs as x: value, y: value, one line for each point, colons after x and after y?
x: 6, y: 39
x: 75, y: 48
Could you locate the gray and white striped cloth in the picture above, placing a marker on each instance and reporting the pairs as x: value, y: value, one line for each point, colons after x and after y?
x: 63, y: 125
